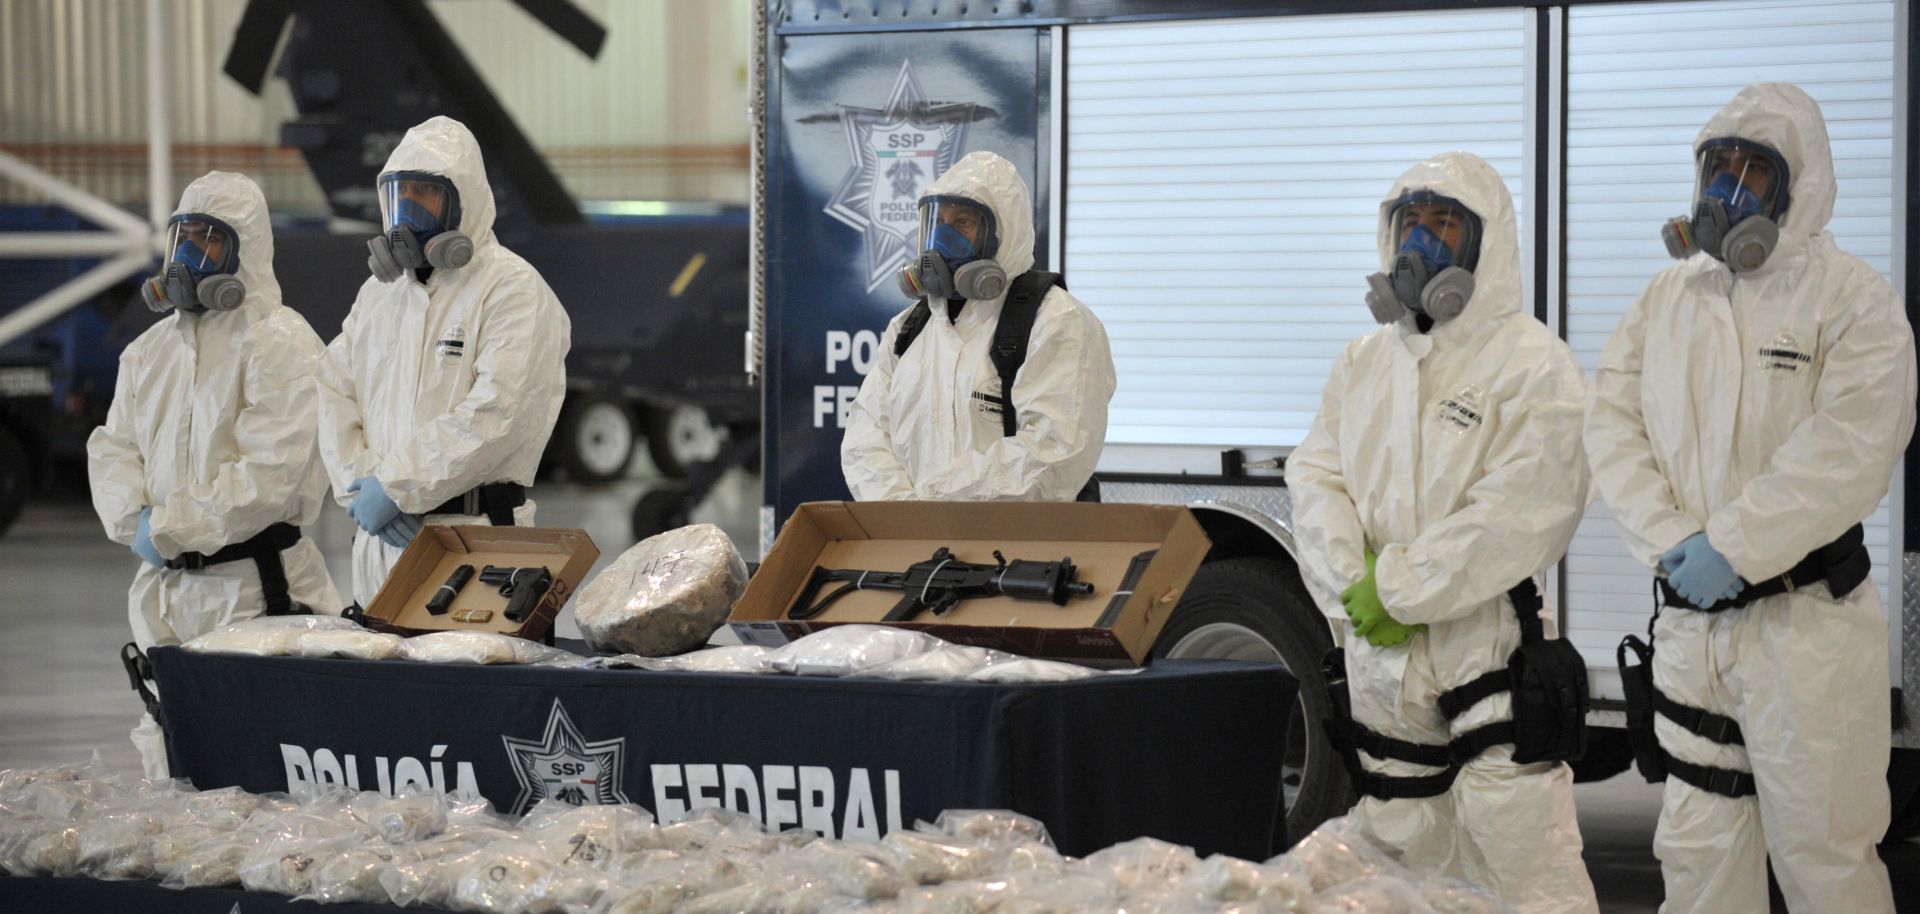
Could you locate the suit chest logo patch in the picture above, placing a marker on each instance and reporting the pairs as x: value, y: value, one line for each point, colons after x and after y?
x: 1463, y: 412
x: 1785, y: 354
x: 453, y: 346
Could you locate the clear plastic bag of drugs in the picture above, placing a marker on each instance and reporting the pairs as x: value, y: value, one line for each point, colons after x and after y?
x: 587, y: 836
x: 848, y: 650
x: 487, y: 648
x: 995, y: 825
x: 497, y: 878
x: 1146, y: 865
x: 266, y: 636
x: 351, y: 644
x: 1334, y: 854
x: 1380, y: 894
x: 945, y: 663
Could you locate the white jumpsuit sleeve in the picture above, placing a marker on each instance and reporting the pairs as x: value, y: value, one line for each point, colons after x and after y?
x: 1326, y: 524
x: 873, y: 470
x: 116, y: 470
x: 1834, y: 466
x: 520, y: 377
x: 1517, y: 518
x: 1060, y: 396
x: 274, y: 434
x: 1629, y: 476
x: 342, y: 424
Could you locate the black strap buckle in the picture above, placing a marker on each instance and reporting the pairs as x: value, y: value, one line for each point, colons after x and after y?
x: 1724, y: 730
x: 470, y: 502
x: 188, y: 561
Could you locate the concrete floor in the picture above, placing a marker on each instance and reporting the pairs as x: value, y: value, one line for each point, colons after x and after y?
x: 63, y: 695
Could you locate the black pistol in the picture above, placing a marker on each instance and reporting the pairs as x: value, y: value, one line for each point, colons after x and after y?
x: 523, y: 587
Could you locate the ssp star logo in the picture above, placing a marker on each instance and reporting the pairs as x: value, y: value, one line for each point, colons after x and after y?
x: 565, y: 766
x: 896, y: 150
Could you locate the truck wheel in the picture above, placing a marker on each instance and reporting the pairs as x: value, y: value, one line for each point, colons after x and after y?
x: 1255, y: 609
x: 596, y: 439
x: 680, y: 436
x: 1903, y: 784
x: 16, y: 477
x: 660, y: 510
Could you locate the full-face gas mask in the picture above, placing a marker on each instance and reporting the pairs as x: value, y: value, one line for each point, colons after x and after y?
x: 1436, y: 246
x: 1739, y: 192
x: 419, y: 213
x: 203, y: 255
x: 958, y: 240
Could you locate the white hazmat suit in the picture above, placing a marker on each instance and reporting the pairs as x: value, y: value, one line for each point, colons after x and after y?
x: 212, y: 426
x: 925, y: 427
x: 430, y: 420
x: 1767, y: 410
x: 1455, y: 456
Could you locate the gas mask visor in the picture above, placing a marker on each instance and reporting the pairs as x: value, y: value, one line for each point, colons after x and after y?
x: 203, y: 253
x: 1748, y: 178
x: 954, y: 259
x: 1436, y: 245
x: 425, y: 204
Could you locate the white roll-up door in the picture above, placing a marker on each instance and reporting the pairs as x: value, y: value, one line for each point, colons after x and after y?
x: 1223, y: 181
x: 1641, y: 80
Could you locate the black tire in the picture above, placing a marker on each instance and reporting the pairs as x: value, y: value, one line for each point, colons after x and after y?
x: 16, y: 477
x: 1257, y: 609
x: 596, y: 439
x: 680, y: 436
x: 660, y: 510
x: 1903, y: 785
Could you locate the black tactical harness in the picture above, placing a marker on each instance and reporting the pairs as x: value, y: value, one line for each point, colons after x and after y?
x: 1548, y: 681
x: 1842, y: 565
x: 1010, y: 335
x: 263, y: 549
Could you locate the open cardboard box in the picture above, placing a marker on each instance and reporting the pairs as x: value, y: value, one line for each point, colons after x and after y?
x: 401, y: 605
x: 1116, y: 626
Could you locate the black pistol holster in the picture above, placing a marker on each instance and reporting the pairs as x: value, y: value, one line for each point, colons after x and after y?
x: 1548, y: 684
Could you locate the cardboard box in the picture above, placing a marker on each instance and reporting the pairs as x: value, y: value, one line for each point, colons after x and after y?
x: 1113, y: 627
x: 401, y: 605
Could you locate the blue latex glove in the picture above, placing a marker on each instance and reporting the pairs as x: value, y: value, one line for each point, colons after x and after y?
x: 1700, y: 573
x: 400, y: 531
x: 143, y: 541
x: 371, y: 508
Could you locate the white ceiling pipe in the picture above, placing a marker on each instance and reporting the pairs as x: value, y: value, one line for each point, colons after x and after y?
x: 70, y: 244
x: 73, y: 292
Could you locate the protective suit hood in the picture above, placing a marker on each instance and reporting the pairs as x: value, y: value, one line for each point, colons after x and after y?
x: 237, y: 201
x: 1785, y: 117
x: 994, y: 183
x: 1469, y: 179
x: 444, y: 146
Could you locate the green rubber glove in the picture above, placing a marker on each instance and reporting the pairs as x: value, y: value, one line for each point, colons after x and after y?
x: 1369, y: 615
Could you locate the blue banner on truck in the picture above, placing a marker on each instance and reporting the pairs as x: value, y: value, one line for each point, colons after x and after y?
x: 860, y: 124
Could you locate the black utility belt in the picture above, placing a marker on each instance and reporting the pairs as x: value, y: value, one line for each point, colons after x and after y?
x: 271, y: 540
x: 1842, y: 565
x: 495, y: 500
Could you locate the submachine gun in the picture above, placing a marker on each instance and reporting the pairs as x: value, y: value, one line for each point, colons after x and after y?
x: 941, y: 582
